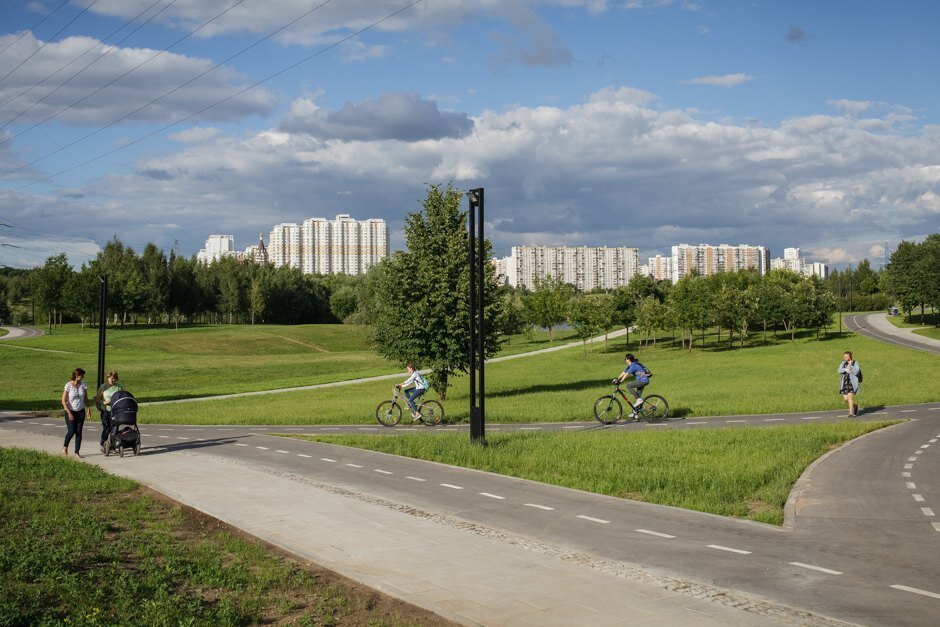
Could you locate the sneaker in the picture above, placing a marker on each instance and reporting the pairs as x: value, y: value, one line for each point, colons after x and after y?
x: 638, y: 402
x: 632, y: 415
x: 415, y: 416
x: 102, y: 448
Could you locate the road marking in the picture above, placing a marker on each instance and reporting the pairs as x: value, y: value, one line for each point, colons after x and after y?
x: 383, y: 472
x: 917, y: 591
x: 819, y: 568
x: 452, y: 487
x: 927, y: 511
x: 735, y: 421
x: 327, y: 459
x: 530, y: 428
x: 354, y: 465
x: 597, y: 520
x: 280, y: 451
x: 493, y: 496
x: 932, y: 440
x: 574, y: 427
x: 906, y: 474
x: 697, y: 423
x: 908, y: 466
x: 728, y: 548
x: 287, y: 429
x: 775, y: 419
x: 366, y: 428
x: 163, y: 436
x: 918, y: 498
x: 925, y: 446
x: 181, y: 437
x: 655, y: 533
x: 911, y: 486
x: 912, y: 459
x: 918, y: 452
x: 240, y: 444
x: 302, y: 455
x: 907, y: 411
x: 263, y: 448
x: 811, y: 418
x: 416, y: 478
x: 537, y: 506
x: 936, y: 526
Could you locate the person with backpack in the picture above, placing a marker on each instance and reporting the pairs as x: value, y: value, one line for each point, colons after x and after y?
x: 420, y: 387
x: 851, y: 379
x: 641, y: 378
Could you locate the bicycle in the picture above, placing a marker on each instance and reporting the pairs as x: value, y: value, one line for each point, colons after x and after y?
x: 388, y: 413
x: 608, y: 409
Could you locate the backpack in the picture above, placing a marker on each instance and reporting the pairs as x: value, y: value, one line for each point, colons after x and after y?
x: 859, y: 374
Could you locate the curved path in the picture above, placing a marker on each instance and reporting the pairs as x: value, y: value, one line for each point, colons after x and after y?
x: 19, y: 333
x: 877, y: 326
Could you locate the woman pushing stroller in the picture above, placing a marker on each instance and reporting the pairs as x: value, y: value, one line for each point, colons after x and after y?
x: 103, y: 403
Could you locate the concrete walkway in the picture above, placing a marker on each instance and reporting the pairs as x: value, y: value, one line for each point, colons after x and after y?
x: 463, y: 571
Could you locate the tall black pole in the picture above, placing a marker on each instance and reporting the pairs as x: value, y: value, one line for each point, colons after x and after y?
x: 477, y: 327
x: 102, y: 325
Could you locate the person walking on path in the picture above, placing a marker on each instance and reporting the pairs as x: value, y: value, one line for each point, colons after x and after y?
x: 103, y: 403
x: 851, y: 379
x: 75, y: 403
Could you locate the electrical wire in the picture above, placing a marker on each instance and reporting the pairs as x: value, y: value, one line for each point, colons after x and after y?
x: 34, y: 26
x: 92, y: 47
x: 43, y: 45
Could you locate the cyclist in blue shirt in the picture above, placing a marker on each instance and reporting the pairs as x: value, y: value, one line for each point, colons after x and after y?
x: 641, y: 378
x: 420, y: 387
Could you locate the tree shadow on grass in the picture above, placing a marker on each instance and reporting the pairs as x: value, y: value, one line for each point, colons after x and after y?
x: 602, y: 386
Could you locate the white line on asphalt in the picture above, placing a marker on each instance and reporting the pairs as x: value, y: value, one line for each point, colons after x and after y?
x: 537, y: 506
x: 697, y: 423
x: 908, y: 466
x: 597, y: 520
x: 327, y: 459
x: 906, y: 475
x: 917, y: 591
x: 936, y: 526
x: 280, y: 451
x: 302, y: 455
x: 775, y: 419
x: 291, y: 429
x: 530, y: 428
x: 166, y: 429
x: 932, y: 440
x: 493, y: 496
x: 735, y: 420
x: 811, y: 418
x: 927, y: 511
x: 263, y: 448
x: 48, y: 424
x: 925, y: 446
x: 452, y: 487
x: 819, y: 568
x: 200, y: 429
x: 383, y: 472
x: 911, y: 486
x: 163, y: 436
x: 918, y: 452
x: 934, y: 408
x: 907, y: 411
x: 240, y: 444
x: 366, y: 428
x: 912, y: 459
x: 181, y: 437
x: 574, y: 427
x: 227, y: 429
x: 728, y: 548
x: 655, y: 533
x: 448, y: 429
x: 354, y: 465
x: 918, y: 498
x: 416, y: 478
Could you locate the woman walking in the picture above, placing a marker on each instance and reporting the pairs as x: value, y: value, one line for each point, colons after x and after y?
x: 851, y: 378
x: 75, y: 403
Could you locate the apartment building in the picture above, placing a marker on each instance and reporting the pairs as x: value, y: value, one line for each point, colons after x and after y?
x: 792, y: 261
x: 585, y: 267
x: 660, y: 268
x: 217, y: 246
x: 322, y: 246
x: 707, y: 259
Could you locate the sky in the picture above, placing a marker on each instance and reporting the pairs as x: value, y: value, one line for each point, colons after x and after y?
x: 641, y: 123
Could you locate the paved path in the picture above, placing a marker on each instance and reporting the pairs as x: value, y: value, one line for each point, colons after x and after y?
x: 877, y: 326
x: 18, y: 333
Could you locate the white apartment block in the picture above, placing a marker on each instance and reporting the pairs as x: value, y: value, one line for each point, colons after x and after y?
x: 321, y: 246
x: 585, y: 267
x: 793, y: 262
x: 217, y: 246
x: 708, y: 259
x: 660, y: 268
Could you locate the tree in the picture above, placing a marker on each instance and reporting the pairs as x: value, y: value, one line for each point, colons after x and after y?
x: 590, y: 314
x: 651, y: 316
x: 512, y: 319
x: 156, y: 275
x: 690, y: 301
x: 256, y: 298
x: 48, y: 285
x: 422, y: 309
x: 547, y: 305
x: 82, y: 292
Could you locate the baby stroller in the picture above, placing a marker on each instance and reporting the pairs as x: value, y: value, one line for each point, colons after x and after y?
x: 123, y: 425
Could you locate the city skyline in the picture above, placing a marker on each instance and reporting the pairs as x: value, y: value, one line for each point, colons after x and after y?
x: 589, y: 123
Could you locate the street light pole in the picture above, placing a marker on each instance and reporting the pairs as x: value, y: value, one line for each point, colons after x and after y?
x: 477, y: 327
x: 102, y: 324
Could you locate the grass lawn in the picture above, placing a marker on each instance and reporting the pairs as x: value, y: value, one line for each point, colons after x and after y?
x: 79, y: 546
x: 746, y: 473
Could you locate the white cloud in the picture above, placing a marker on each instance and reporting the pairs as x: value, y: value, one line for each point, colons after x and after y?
x: 724, y: 80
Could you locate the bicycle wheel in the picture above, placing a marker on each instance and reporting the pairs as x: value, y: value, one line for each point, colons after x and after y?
x: 388, y: 413
x: 432, y: 413
x: 608, y: 410
x: 655, y: 408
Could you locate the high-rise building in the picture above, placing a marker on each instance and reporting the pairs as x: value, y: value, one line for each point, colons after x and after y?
x: 585, y: 267
x: 321, y: 246
x: 257, y: 252
x: 794, y: 263
x: 217, y: 246
x: 660, y: 268
x: 707, y: 259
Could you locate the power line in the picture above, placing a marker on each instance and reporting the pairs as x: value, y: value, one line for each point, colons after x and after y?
x: 43, y: 45
x: 34, y: 26
x: 111, y: 82
x: 92, y: 47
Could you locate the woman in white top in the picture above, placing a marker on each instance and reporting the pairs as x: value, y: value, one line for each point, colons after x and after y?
x: 75, y: 403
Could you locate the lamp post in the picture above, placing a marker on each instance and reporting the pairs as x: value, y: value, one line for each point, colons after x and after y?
x: 477, y: 327
x: 102, y: 324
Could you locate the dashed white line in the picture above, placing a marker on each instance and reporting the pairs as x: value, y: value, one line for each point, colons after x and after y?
x: 280, y: 451
x: 573, y: 427
x: 697, y: 423
x: 493, y: 496
x: 263, y: 448
x: 240, y: 444
x: 354, y: 465
x: 932, y: 440
x: 919, y: 498
x: 906, y: 474
x: 592, y: 519
x: 911, y: 486
x: 729, y: 549
x: 302, y: 455
x: 383, y: 472
x: 811, y: 418
x: 416, y: 478
x: 925, y: 446
x: 926, y: 511
x: 327, y: 459
x: 530, y: 428
x: 818, y: 568
x: 908, y: 466
x: 451, y: 486
x: 166, y: 437
x: 936, y: 526
x: 912, y: 459
x: 729, y: 421
x: 907, y: 411
x: 655, y: 533
x: 933, y: 595
x: 918, y: 452
x: 537, y: 506
x: 775, y: 419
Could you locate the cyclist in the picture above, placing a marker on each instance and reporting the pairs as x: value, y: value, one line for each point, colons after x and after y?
x: 420, y: 387
x: 641, y: 378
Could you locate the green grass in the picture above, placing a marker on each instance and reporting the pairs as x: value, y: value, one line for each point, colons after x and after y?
x: 931, y: 318
x: 562, y: 386
x: 82, y: 547
x: 745, y: 473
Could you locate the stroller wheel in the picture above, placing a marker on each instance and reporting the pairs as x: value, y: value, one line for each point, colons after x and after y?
x: 121, y: 451
x: 107, y: 448
x: 137, y: 449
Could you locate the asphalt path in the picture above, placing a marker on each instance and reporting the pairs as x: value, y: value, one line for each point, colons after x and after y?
x: 877, y: 326
x: 19, y: 333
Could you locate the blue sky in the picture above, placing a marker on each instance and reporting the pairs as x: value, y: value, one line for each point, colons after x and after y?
x: 643, y: 123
